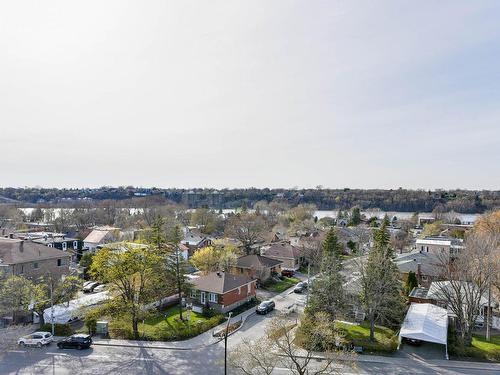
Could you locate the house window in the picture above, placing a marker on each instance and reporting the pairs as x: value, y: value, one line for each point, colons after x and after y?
x: 212, y: 297
x: 35, y: 265
x: 193, y: 293
x: 22, y: 269
x: 64, y: 246
x: 50, y: 245
x: 59, y: 262
x: 424, y: 278
x: 202, y: 298
x: 75, y: 245
x: 249, y: 288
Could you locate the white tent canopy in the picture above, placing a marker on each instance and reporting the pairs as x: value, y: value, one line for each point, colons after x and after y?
x: 426, y: 322
x: 65, y: 312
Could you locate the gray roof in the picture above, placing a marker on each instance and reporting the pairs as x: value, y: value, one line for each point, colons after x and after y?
x: 429, y: 263
x: 14, y: 251
x: 282, y: 250
x: 256, y: 261
x: 220, y: 282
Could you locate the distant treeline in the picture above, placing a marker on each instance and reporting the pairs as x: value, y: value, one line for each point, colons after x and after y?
x: 464, y: 201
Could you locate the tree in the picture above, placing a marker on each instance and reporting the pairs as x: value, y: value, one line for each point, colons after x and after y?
x: 381, y: 291
x: 85, y: 262
x: 411, y: 282
x: 247, y: 228
x: 254, y: 357
x: 470, y: 275
x: 133, y: 275
x: 432, y: 229
x: 214, y: 258
x: 327, y: 290
x: 16, y: 293
x: 355, y: 216
x: 67, y: 289
x: 205, y: 219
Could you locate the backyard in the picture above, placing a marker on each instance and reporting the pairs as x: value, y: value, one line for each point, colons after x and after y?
x: 386, y: 339
x: 280, y: 286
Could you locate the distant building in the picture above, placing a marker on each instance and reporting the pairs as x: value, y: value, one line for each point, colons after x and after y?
x: 438, y: 245
x: 100, y: 236
x: 289, y: 255
x: 194, y: 199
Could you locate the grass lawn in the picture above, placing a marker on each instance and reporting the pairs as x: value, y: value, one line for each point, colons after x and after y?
x: 386, y: 339
x: 281, y: 286
x: 481, y: 349
x: 166, y: 326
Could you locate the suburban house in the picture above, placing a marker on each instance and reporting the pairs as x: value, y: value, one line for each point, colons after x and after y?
x: 32, y: 260
x: 288, y: 254
x: 221, y: 291
x: 439, y: 244
x: 435, y: 294
x: 100, y: 236
x: 193, y: 241
x: 257, y: 267
x: 426, y: 266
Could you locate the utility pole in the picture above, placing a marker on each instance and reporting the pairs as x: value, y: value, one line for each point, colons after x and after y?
x: 51, y: 305
x: 308, y: 283
x: 225, y: 343
x: 489, y: 314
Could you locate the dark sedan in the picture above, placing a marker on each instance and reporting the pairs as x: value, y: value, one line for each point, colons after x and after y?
x: 265, y: 307
x: 79, y: 341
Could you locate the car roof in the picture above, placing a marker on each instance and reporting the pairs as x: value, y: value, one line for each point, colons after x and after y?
x: 41, y: 333
x: 80, y: 335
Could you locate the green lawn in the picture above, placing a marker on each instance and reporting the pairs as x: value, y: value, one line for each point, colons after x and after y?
x: 281, y: 286
x: 166, y: 326
x: 386, y: 339
x: 481, y: 349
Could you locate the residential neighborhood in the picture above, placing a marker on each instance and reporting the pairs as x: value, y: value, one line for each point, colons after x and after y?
x: 249, y: 187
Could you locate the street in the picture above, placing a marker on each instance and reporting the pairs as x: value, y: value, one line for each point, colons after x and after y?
x: 130, y: 360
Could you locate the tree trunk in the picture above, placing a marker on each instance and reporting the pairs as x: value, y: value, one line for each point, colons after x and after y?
x: 135, y: 327
x: 179, y: 288
x: 372, y: 329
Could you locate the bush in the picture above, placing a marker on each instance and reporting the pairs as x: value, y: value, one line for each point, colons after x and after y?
x: 59, y: 329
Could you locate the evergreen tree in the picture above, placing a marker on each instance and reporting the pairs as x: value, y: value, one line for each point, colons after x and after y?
x: 355, y: 216
x: 411, y: 282
x: 326, y: 292
x: 381, y: 294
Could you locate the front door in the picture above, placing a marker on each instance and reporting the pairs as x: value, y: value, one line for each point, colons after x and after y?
x: 202, y: 298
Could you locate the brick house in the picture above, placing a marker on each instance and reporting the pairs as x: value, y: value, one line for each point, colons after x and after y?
x: 289, y: 255
x: 221, y: 291
x: 257, y: 267
x: 32, y: 260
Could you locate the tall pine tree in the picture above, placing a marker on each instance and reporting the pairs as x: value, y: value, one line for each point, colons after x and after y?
x: 381, y: 295
x: 326, y: 293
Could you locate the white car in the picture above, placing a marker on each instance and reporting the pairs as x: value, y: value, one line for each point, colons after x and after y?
x: 100, y: 288
x: 36, y: 339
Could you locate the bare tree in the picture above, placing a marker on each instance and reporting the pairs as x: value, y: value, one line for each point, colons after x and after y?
x: 469, y: 276
x: 254, y: 357
x: 11, y: 334
x: 248, y: 228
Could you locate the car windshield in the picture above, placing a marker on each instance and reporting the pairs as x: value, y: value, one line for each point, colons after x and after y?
x: 47, y: 335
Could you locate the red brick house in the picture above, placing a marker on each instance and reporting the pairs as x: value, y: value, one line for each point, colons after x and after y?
x: 257, y: 267
x: 221, y: 291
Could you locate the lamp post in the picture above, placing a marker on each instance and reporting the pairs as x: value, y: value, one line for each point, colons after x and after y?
x: 225, y: 343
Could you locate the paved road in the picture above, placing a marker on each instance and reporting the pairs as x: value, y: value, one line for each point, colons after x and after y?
x: 102, y: 359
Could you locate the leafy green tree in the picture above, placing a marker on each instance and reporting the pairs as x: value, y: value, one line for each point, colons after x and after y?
x: 16, y: 293
x: 133, y: 275
x: 327, y: 292
x: 85, y: 262
x: 381, y: 290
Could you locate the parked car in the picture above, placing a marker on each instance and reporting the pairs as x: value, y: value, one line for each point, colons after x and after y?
x: 78, y: 341
x: 300, y: 287
x: 265, y: 307
x: 89, y: 288
x: 287, y: 273
x: 100, y: 288
x: 87, y: 283
x: 414, y: 342
x: 36, y: 339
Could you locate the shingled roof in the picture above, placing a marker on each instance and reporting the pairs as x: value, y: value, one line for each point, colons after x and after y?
x: 14, y: 251
x: 220, y: 282
x: 256, y: 261
x: 282, y: 250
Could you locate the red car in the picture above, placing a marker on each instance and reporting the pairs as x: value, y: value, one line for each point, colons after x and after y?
x: 287, y: 273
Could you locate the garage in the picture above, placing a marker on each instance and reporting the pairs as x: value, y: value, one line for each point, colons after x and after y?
x: 427, y: 323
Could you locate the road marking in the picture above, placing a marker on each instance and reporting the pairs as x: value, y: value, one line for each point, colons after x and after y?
x: 63, y: 354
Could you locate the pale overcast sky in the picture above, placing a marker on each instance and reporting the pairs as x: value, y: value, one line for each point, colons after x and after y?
x: 369, y: 94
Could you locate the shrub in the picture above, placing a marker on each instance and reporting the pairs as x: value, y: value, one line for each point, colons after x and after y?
x: 59, y: 329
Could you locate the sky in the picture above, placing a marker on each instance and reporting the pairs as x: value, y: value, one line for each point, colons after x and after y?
x: 225, y: 94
